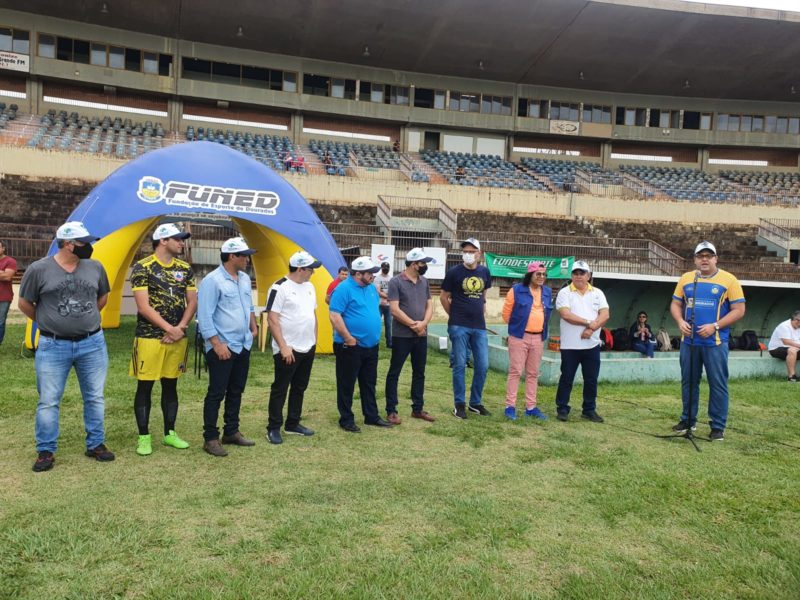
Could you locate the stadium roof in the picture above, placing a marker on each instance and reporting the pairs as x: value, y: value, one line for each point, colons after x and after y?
x: 660, y: 47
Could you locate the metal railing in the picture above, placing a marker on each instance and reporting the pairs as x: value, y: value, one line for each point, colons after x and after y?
x: 778, y: 234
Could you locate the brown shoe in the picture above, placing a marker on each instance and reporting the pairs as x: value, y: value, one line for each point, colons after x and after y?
x: 214, y: 448
x: 422, y: 415
x: 393, y: 418
x: 237, y: 439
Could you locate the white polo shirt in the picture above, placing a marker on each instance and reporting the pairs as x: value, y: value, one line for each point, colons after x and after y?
x: 296, y: 304
x: 784, y: 331
x: 587, y: 305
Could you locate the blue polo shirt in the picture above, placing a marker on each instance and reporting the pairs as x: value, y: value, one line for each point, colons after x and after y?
x: 358, y: 305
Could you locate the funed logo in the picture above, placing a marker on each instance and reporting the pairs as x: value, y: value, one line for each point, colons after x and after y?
x: 192, y: 195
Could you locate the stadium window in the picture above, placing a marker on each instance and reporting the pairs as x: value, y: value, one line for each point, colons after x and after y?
x: 80, y: 52
x: 429, y: 98
x: 770, y: 124
x: 47, y: 46
x: 532, y: 108
x: 733, y: 122
x: 6, y: 39
x: 21, y: 43
x: 197, y: 68
x: 165, y: 65
x: 758, y: 123
x: 256, y: 77
x: 593, y: 113
x: 226, y: 73
x: 496, y: 105
x: 398, y: 95
x: 722, y: 122
x: 464, y: 102
x: 563, y: 111
x: 289, y: 81
x: 694, y: 120
x: 150, y: 62
x: 316, y: 85
x: 343, y: 88
x: 783, y: 125
x: 116, y: 57
x: 794, y: 125
x: 372, y: 92
x: 64, y: 48
x: 98, y: 55
x: 133, y: 60
x: 275, y: 78
x: 746, y: 123
x: 705, y: 121
x: 631, y: 116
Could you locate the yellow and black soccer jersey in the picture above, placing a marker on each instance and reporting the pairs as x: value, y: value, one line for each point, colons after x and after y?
x: 708, y: 302
x: 166, y: 287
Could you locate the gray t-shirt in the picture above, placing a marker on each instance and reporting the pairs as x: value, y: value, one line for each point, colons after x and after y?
x: 413, y: 300
x: 66, y: 303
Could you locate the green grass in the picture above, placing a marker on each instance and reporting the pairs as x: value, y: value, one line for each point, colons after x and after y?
x: 477, y: 509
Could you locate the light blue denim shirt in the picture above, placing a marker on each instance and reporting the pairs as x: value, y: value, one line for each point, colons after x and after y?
x: 223, y: 309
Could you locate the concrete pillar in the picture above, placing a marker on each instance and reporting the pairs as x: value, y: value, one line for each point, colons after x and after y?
x: 296, y: 126
x: 702, y: 158
x: 605, y: 154
x: 33, y: 89
x: 175, y: 114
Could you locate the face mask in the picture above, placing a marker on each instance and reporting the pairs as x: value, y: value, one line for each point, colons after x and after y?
x: 83, y: 251
x: 384, y: 270
x: 469, y: 259
x: 422, y: 269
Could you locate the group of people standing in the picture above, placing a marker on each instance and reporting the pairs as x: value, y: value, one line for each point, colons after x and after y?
x: 65, y: 293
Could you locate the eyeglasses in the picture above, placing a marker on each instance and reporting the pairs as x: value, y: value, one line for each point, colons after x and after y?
x: 540, y: 274
x: 240, y: 255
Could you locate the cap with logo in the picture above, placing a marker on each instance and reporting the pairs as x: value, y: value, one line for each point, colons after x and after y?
x: 236, y: 245
x: 580, y: 265
x: 471, y: 241
x: 418, y: 255
x: 304, y: 260
x: 170, y: 230
x: 364, y: 264
x: 75, y: 230
x: 705, y: 246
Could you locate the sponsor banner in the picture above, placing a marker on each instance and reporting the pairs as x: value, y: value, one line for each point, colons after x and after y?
x: 192, y: 195
x: 438, y: 266
x: 15, y: 62
x: 383, y: 253
x: 515, y: 267
x: 565, y: 127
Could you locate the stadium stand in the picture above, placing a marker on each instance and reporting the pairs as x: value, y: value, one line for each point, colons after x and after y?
x: 683, y: 183
x: 783, y: 186
x: 480, y: 170
x: 343, y: 154
x: 7, y: 113
x: 562, y: 173
x: 278, y: 153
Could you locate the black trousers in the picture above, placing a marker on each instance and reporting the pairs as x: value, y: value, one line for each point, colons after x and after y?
x: 417, y: 347
x: 295, y: 375
x: 226, y: 380
x: 354, y: 363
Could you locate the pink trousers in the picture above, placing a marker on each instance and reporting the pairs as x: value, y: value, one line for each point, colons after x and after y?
x: 525, y: 353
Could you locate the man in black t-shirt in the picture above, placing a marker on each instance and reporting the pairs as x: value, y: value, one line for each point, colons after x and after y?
x: 463, y: 298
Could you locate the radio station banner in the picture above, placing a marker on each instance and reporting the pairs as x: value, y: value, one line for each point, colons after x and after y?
x: 515, y: 267
x: 383, y: 253
x: 436, y: 268
x: 565, y: 127
x: 14, y: 61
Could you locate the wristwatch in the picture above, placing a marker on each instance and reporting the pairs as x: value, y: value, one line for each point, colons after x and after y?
x: 716, y: 326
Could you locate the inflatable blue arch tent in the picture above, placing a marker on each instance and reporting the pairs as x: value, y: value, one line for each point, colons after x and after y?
x: 207, y: 178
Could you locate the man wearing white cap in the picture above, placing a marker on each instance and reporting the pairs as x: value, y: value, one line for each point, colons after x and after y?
x: 412, y: 309
x: 463, y: 298
x: 705, y: 303
x: 227, y: 322
x: 291, y: 312
x: 584, y: 310
x: 356, y: 324
x: 166, y: 299
x: 64, y: 294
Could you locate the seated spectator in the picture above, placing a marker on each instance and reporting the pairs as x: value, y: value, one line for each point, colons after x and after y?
x: 460, y: 173
x: 785, y: 342
x: 287, y: 160
x: 642, y: 338
x: 396, y: 146
x: 328, y: 162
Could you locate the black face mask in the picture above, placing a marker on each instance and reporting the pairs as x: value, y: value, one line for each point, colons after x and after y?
x: 422, y: 269
x: 384, y: 270
x: 83, y: 251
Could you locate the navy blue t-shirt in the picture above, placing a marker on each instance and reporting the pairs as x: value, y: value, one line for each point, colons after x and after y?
x: 466, y: 287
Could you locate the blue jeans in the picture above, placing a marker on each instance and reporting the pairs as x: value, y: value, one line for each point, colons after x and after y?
x: 648, y: 347
x: 476, y: 340
x: 3, y: 314
x: 226, y: 381
x: 715, y: 361
x: 54, y: 359
x: 589, y: 362
x: 386, y: 314
x: 417, y: 347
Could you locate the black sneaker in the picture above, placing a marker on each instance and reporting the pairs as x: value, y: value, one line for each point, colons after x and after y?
x: 592, y: 416
x: 459, y: 412
x: 352, y: 428
x: 100, y: 453
x: 299, y: 430
x: 717, y: 435
x: 274, y: 436
x: 683, y: 427
x: 44, y: 462
x: 792, y: 379
x: 562, y: 416
x: 479, y: 409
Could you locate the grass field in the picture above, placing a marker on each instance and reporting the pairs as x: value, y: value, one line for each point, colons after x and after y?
x: 477, y: 509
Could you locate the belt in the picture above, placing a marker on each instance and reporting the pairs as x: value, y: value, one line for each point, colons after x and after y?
x: 532, y: 332
x: 68, y: 338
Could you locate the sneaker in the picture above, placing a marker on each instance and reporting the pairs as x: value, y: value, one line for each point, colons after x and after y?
x: 100, y: 453
x: 717, y: 435
x: 511, y: 413
x: 214, y: 448
x: 562, y: 416
x: 44, y: 462
x: 393, y: 418
x: 792, y: 379
x: 592, y: 416
x: 459, y: 412
x: 172, y: 439
x: 683, y: 427
x: 299, y: 430
x: 274, y: 436
x: 479, y: 409
x: 144, y: 447
x: 535, y: 412
x: 424, y: 415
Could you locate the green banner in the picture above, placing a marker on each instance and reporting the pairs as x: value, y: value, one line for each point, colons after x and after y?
x: 515, y: 267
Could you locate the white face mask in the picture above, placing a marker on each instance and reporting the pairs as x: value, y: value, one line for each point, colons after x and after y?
x: 469, y: 259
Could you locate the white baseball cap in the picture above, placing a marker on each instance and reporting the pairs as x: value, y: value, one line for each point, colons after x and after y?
x: 304, y: 260
x: 364, y: 263
x: 472, y: 241
x: 418, y: 255
x: 75, y: 231
x: 705, y: 246
x: 580, y: 265
x: 170, y: 230
x: 237, y: 245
